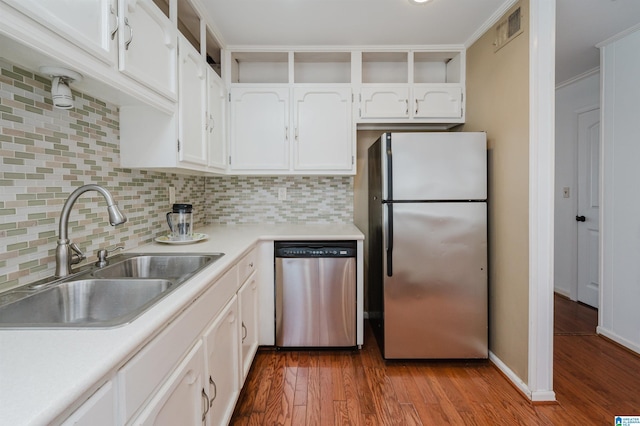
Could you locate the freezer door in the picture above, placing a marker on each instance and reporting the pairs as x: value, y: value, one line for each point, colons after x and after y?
x: 437, y: 166
x: 435, y: 301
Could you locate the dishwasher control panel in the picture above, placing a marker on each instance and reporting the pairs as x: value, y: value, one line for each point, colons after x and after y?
x: 315, y: 249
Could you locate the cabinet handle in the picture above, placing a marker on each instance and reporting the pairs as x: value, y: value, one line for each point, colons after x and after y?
x: 286, y: 133
x: 296, y: 133
x: 244, y: 332
x: 115, y: 30
x: 206, y: 405
x: 406, y: 110
x: 215, y: 390
x: 416, y: 107
x: 128, y: 42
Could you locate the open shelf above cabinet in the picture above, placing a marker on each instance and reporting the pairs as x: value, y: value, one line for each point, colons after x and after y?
x: 259, y: 67
x: 322, y: 67
x: 385, y: 67
x: 437, y: 67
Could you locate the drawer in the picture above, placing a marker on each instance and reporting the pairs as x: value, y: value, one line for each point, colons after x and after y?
x: 146, y: 371
x: 246, y: 266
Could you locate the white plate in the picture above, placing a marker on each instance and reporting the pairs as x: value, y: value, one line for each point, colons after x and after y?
x: 196, y: 237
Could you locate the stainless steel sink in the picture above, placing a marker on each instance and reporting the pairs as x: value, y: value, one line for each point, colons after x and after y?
x: 101, y: 297
x: 92, y: 302
x: 155, y: 266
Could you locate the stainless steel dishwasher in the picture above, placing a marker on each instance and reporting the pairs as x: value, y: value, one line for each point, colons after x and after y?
x: 315, y: 293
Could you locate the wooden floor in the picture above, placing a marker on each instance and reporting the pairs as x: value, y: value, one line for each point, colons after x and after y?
x: 594, y: 380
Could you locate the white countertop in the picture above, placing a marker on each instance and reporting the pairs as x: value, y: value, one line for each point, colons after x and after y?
x: 43, y: 372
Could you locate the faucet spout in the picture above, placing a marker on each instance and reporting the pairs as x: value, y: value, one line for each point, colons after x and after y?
x: 68, y: 253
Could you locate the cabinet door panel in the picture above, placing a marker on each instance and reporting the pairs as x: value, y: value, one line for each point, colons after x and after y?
x: 88, y: 23
x: 437, y: 101
x: 147, y: 46
x: 248, y: 299
x: 260, y: 129
x: 223, y: 363
x: 323, y: 133
x: 192, y: 105
x: 216, y: 133
x: 384, y: 102
x: 98, y: 410
x: 180, y: 401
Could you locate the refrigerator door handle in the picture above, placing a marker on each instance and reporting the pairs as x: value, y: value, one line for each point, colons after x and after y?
x: 389, y: 239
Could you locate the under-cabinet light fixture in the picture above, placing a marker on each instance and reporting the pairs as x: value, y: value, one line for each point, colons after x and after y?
x: 60, y: 90
x: 419, y: 1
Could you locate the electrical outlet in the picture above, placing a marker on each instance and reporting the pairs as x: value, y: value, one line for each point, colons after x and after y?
x: 172, y: 194
x: 565, y: 192
x: 282, y: 194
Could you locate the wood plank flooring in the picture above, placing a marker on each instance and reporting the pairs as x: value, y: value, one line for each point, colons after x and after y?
x: 594, y: 380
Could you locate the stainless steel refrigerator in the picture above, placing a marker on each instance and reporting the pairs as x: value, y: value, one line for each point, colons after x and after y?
x: 427, y: 257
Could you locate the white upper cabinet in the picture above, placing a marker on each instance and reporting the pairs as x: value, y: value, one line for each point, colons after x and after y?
x: 216, y: 128
x: 384, y: 102
x: 323, y: 131
x: 259, y: 129
x: 291, y: 113
x: 437, y: 101
x: 90, y: 24
x: 147, y: 46
x: 412, y: 87
x: 192, y: 105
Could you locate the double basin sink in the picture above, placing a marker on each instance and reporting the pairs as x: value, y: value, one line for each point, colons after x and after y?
x: 101, y: 297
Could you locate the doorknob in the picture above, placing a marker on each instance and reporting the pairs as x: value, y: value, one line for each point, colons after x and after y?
x: 581, y: 218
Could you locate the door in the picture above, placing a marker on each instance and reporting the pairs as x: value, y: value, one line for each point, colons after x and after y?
x: 589, y: 207
x: 435, y: 281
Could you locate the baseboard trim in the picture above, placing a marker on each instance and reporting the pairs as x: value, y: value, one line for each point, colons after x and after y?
x: 522, y: 387
x: 626, y: 344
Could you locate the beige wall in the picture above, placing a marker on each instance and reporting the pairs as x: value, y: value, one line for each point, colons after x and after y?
x: 498, y: 103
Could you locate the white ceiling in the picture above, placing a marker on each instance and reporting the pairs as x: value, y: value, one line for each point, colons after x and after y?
x: 581, y: 24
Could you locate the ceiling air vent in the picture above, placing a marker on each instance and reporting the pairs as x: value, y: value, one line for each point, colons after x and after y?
x: 508, y: 29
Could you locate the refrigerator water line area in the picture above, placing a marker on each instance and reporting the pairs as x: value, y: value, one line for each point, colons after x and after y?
x: 427, y: 276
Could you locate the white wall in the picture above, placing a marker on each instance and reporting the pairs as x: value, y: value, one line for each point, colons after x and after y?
x: 620, y: 210
x: 571, y: 98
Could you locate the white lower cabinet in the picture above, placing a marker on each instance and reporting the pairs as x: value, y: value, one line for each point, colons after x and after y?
x: 191, y: 372
x: 248, y: 298
x: 223, y: 365
x: 98, y: 410
x: 181, y: 399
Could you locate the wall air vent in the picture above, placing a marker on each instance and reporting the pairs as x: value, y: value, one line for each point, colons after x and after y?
x: 508, y: 29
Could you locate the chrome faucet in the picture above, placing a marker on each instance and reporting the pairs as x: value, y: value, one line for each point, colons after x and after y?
x: 68, y: 253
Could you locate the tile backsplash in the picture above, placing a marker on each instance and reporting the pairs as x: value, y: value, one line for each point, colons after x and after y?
x: 47, y: 153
